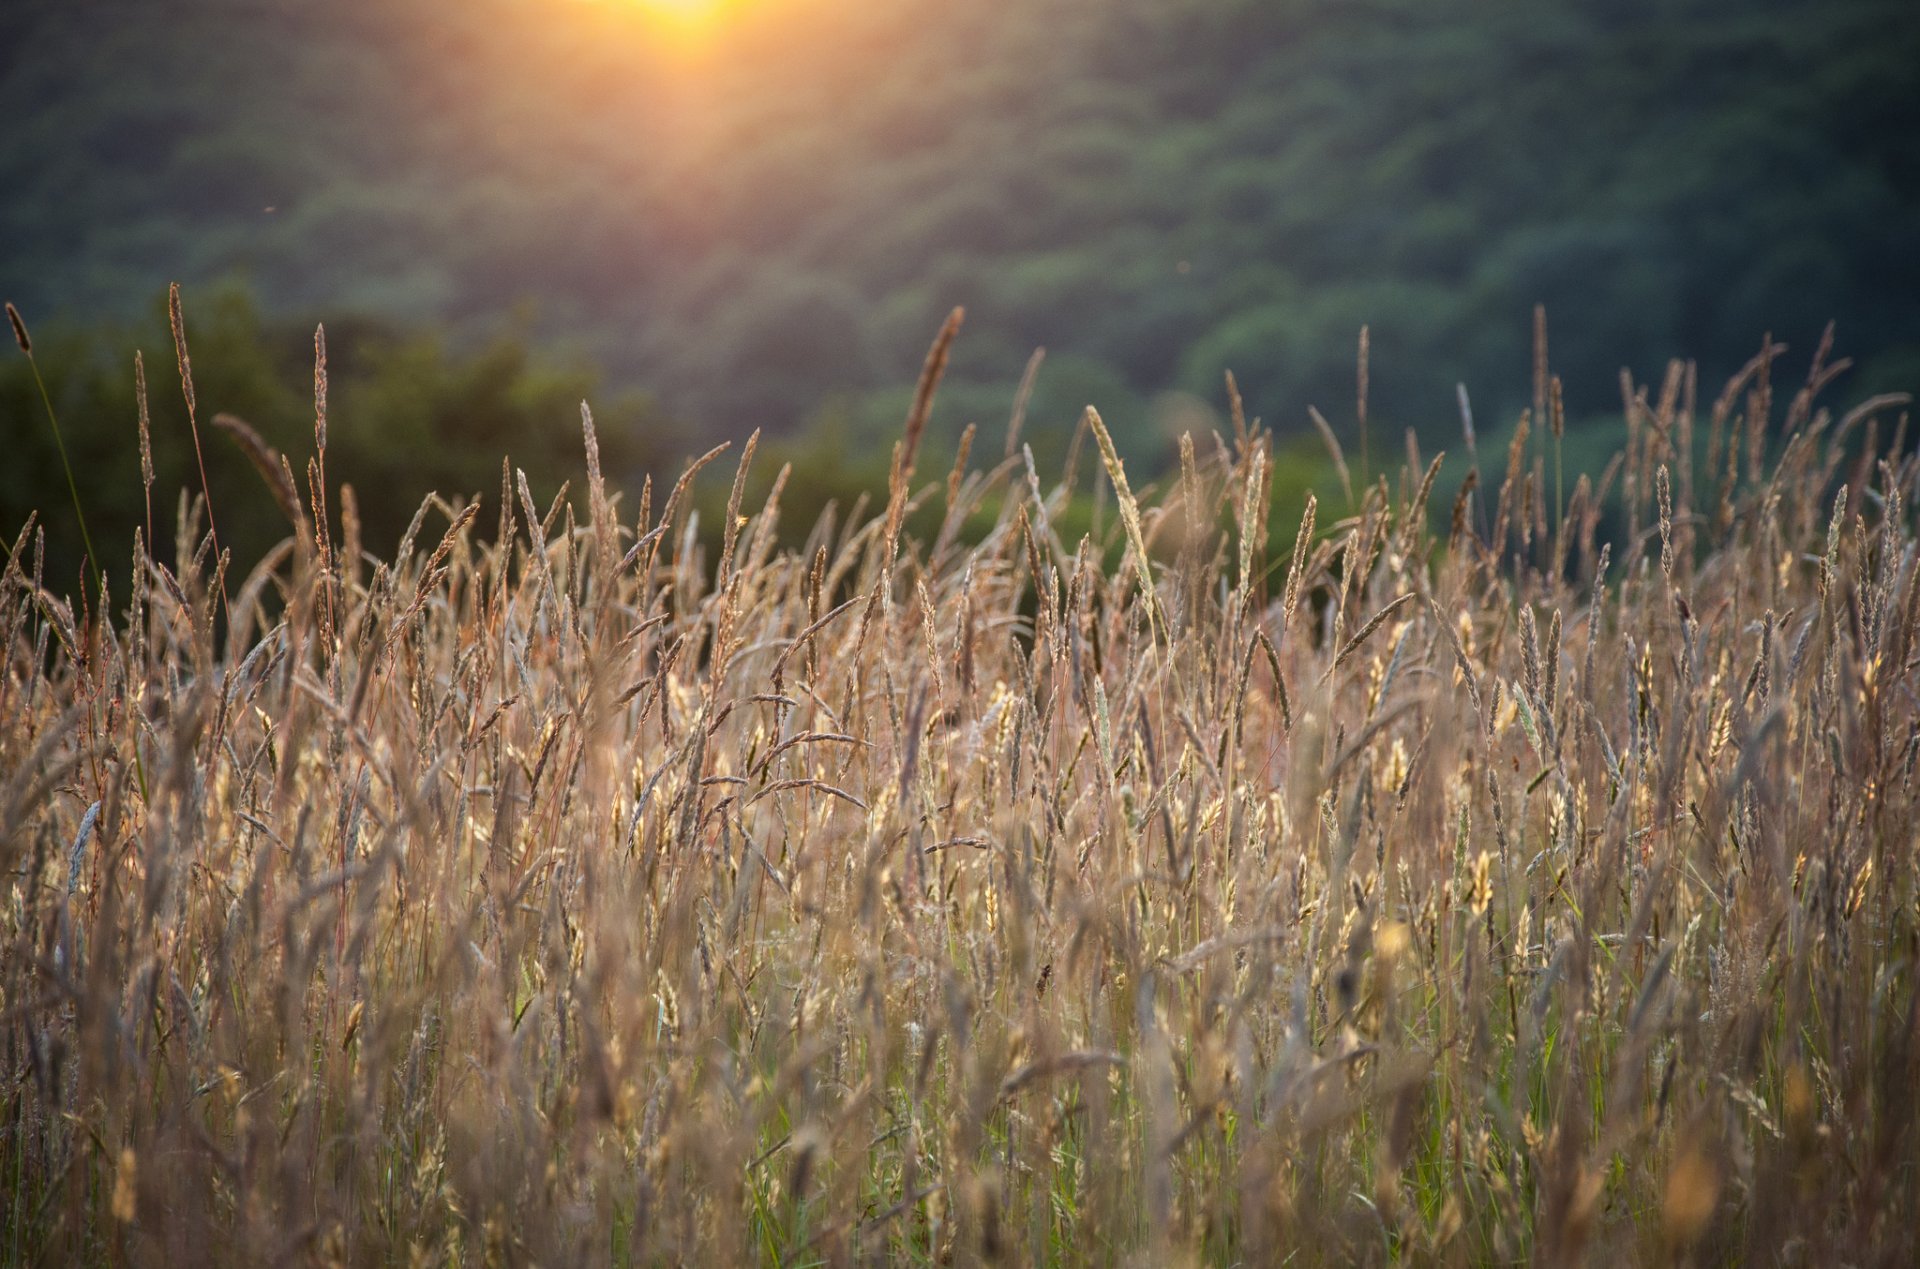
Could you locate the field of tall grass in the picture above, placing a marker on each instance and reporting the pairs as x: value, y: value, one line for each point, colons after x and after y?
x: 1532, y: 876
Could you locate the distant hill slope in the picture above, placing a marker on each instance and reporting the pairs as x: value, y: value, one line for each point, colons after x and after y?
x: 1155, y: 189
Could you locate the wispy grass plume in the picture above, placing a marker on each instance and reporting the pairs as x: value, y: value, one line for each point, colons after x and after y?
x: 570, y: 896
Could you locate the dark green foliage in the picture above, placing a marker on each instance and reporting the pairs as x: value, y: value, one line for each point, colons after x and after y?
x: 1157, y: 190
x: 407, y: 415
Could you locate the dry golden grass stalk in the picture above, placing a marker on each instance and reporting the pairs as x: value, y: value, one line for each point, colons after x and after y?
x: 268, y: 462
x: 1017, y: 923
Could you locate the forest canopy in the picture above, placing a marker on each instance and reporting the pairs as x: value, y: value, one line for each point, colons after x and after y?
x: 765, y: 230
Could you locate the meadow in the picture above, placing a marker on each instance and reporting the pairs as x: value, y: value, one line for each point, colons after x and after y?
x: 1521, y: 874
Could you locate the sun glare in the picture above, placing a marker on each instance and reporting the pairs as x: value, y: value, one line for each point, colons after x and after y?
x: 684, y: 26
x: 685, y: 17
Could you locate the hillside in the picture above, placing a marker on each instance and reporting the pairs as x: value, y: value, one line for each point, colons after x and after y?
x: 1155, y: 190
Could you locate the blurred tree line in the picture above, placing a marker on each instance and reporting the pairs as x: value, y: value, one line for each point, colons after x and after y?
x: 407, y: 415
x: 766, y: 232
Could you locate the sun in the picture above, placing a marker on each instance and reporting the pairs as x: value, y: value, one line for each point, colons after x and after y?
x: 699, y: 28
x: 685, y: 17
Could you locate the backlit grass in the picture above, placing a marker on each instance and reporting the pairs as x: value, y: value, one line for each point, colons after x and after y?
x: 1455, y: 886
